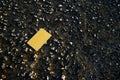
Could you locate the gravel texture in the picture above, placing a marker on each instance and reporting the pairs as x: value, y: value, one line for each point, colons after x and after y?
x: 85, y: 42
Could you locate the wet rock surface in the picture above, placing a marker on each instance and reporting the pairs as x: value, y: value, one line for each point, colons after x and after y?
x: 85, y: 42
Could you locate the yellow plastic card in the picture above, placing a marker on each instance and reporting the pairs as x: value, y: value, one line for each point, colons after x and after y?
x: 39, y: 39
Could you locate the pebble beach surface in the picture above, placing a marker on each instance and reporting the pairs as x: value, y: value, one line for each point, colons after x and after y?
x: 85, y: 42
